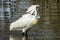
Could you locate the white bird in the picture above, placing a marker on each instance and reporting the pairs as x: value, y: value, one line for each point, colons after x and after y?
x: 27, y: 20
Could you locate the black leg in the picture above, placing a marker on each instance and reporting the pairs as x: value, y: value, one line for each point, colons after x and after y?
x: 26, y: 35
x: 23, y: 34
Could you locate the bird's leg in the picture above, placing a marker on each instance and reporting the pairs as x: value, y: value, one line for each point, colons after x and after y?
x: 26, y: 35
x: 23, y: 36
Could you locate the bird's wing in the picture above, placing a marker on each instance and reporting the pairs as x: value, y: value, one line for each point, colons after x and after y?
x: 20, y: 23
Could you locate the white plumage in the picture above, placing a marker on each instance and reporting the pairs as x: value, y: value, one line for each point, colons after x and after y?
x: 27, y: 20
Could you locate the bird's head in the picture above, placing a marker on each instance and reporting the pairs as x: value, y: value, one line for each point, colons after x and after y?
x: 34, y: 10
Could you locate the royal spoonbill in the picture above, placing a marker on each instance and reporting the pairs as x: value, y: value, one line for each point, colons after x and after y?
x: 27, y: 20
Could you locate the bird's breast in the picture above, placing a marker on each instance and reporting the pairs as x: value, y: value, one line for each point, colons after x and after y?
x: 34, y: 21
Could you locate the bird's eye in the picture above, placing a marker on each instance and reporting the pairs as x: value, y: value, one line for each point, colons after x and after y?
x: 33, y: 13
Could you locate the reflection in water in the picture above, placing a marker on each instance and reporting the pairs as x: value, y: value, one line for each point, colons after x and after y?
x: 19, y: 38
x: 15, y: 38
